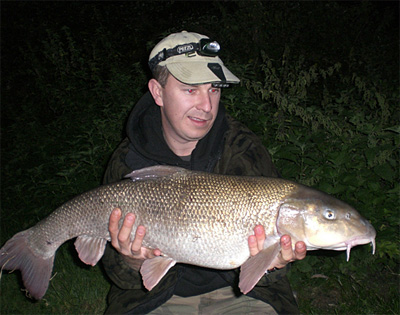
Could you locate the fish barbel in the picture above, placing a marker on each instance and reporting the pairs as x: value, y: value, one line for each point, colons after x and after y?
x: 192, y: 217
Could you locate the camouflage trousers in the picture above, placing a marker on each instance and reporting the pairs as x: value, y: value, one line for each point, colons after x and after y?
x: 221, y: 301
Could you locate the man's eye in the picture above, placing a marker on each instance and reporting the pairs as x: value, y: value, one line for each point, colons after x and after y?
x: 214, y: 90
x: 190, y: 91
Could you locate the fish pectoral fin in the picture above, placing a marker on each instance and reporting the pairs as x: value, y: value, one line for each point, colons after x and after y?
x: 154, y: 269
x: 90, y: 249
x: 254, y: 267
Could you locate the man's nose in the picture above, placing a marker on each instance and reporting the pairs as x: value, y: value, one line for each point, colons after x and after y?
x: 204, y: 102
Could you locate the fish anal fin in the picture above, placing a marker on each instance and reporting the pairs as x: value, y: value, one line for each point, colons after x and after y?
x: 154, y: 172
x: 154, y: 269
x: 90, y: 249
x: 254, y: 268
x: 36, y: 270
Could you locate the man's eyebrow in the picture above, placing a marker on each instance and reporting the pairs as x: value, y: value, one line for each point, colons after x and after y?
x: 189, y: 85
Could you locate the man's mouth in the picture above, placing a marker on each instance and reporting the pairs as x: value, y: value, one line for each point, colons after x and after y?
x: 197, y: 119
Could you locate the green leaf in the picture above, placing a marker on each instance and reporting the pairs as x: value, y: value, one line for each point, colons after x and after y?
x: 385, y: 171
x: 303, y: 266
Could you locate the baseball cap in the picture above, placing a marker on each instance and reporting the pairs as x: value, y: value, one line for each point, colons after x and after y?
x: 191, y: 58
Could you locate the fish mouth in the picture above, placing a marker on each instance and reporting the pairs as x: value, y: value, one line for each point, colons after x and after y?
x: 365, y: 238
x: 360, y: 241
x: 349, y: 244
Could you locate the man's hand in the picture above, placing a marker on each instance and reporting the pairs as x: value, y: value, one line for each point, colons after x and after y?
x: 286, y: 255
x: 121, y: 238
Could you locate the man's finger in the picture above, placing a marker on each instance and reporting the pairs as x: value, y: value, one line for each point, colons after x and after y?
x: 137, y: 242
x: 259, y: 232
x: 300, y: 250
x: 286, y: 248
x: 126, y: 229
x: 113, y: 225
x: 253, y: 247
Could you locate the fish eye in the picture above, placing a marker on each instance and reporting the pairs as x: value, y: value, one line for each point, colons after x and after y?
x: 329, y: 214
x: 348, y: 215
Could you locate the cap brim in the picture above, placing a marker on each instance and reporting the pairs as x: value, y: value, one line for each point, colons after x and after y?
x: 199, y: 72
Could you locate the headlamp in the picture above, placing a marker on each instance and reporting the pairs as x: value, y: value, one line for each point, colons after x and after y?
x: 206, y: 47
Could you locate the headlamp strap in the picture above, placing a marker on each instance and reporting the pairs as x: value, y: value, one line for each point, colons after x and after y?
x: 179, y: 50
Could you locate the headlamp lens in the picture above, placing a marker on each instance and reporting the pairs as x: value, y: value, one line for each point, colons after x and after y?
x: 208, y: 47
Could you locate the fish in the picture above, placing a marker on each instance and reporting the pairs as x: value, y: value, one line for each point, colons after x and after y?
x: 193, y: 217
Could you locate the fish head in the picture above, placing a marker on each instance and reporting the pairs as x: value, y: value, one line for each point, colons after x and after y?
x: 323, y: 222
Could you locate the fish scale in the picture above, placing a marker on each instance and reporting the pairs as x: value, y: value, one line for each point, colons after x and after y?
x: 192, y: 217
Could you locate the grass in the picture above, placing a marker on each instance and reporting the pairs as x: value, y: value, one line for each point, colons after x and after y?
x: 339, y: 291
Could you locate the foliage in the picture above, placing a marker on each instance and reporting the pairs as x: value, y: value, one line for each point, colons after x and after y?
x: 333, y: 126
x: 321, y: 95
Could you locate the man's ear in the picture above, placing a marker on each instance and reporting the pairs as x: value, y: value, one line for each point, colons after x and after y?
x: 156, y: 90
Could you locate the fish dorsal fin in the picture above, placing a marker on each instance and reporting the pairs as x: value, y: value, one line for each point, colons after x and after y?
x: 90, y: 249
x: 154, y: 172
x: 256, y: 266
x: 154, y: 269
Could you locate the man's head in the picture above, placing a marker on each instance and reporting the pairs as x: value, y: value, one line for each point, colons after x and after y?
x: 188, y: 75
x: 191, y: 58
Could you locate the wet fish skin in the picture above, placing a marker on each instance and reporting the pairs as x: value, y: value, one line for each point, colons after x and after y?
x: 193, y: 217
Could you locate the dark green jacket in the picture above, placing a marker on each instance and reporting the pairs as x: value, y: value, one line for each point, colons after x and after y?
x: 229, y: 148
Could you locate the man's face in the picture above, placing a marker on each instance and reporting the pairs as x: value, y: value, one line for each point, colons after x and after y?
x: 188, y: 111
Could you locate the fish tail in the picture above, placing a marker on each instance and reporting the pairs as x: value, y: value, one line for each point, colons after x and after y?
x: 36, y: 270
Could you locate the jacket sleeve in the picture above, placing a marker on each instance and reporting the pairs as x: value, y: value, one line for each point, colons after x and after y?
x: 116, y: 168
x: 244, y: 153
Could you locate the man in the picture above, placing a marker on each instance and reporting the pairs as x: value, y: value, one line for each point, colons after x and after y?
x: 180, y: 122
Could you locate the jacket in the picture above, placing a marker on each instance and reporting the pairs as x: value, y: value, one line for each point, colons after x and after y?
x: 228, y: 148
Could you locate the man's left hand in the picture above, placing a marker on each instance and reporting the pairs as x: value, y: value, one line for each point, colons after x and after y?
x: 286, y: 255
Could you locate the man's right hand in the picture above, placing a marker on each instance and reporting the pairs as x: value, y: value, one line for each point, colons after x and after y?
x: 121, y: 239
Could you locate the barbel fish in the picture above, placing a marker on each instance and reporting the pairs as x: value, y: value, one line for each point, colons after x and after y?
x: 193, y: 218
